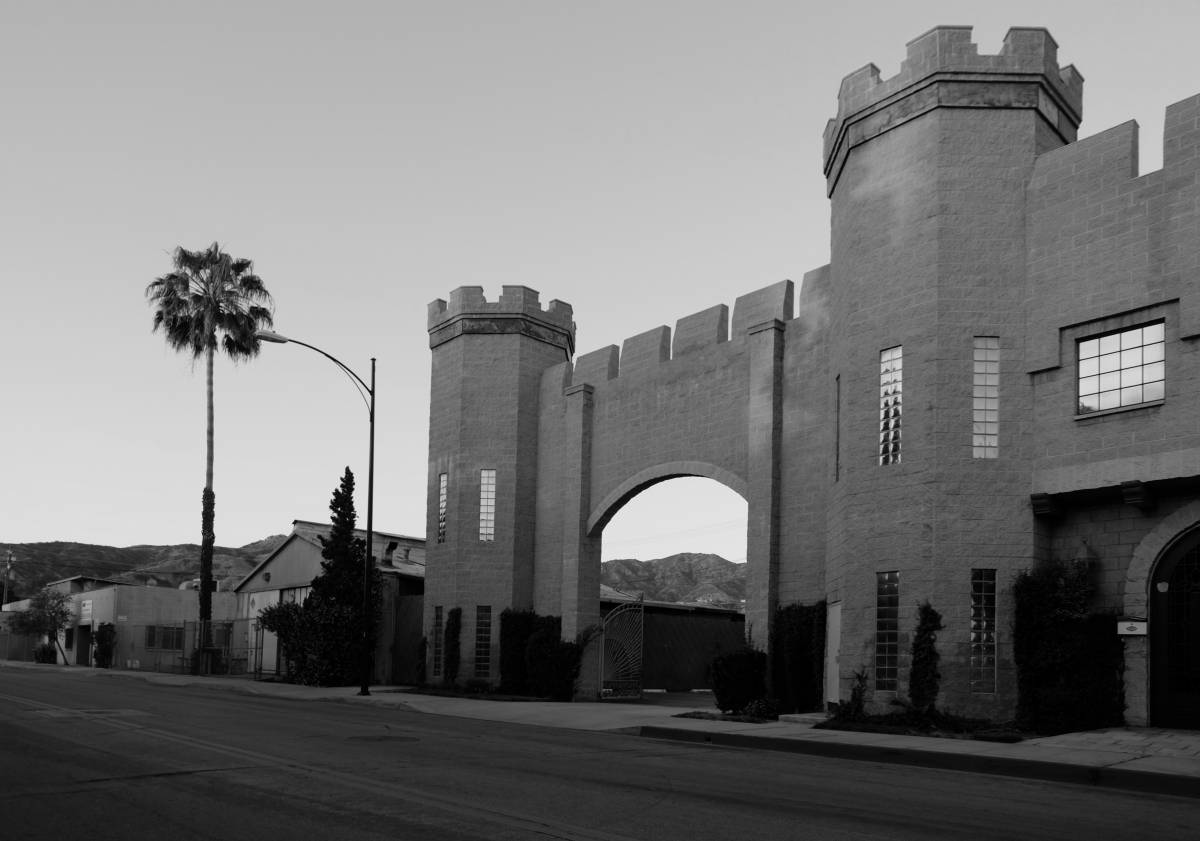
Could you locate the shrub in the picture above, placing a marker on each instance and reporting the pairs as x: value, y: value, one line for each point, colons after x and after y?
x: 798, y: 656
x: 552, y: 663
x: 855, y: 708
x: 45, y: 653
x: 516, y: 627
x: 1069, y: 659
x: 422, y: 651
x: 286, y: 622
x: 451, y: 653
x: 106, y: 639
x: 924, y: 679
x: 762, y: 708
x: 738, y: 677
x: 478, y: 686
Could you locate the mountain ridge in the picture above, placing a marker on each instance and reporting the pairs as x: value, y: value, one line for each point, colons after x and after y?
x: 35, y: 564
x: 686, y: 577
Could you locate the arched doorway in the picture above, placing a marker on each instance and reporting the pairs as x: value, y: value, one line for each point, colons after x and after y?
x: 1175, y: 634
x: 673, y: 546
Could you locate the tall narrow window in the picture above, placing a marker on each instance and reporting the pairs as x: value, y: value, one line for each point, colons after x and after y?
x: 1121, y: 369
x: 985, y: 427
x: 483, y: 640
x: 437, y: 641
x: 891, y: 370
x: 983, y: 630
x: 443, y: 482
x: 487, y: 504
x: 887, y: 629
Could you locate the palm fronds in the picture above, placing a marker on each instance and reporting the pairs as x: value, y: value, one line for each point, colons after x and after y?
x: 211, y: 301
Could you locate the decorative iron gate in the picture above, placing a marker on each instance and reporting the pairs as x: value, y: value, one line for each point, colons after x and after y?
x: 621, y: 651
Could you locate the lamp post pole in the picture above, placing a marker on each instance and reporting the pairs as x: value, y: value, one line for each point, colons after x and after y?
x: 368, y: 563
x: 7, y: 570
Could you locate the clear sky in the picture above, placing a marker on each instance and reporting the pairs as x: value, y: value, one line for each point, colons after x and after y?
x: 639, y: 160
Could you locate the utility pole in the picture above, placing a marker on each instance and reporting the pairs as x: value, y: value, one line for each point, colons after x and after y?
x: 7, y: 570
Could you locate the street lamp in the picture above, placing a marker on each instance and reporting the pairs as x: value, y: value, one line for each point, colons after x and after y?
x: 268, y: 336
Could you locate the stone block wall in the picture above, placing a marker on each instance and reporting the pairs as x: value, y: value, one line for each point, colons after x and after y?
x: 962, y: 207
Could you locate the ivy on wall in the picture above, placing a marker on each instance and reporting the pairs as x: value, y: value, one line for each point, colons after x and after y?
x: 797, y: 646
x: 1070, y: 661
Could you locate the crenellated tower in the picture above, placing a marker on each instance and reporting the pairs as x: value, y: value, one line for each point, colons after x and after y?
x: 927, y: 175
x: 488, y: 361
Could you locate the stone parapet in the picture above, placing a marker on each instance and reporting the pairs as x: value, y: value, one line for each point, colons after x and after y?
x: 517, y: 311
x: 646, y: 353
x: 944, y: 70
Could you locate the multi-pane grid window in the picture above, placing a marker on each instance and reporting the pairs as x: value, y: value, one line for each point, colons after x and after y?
x: 983, y: 630
x: 437, y: 641
x: 483, y: 640
x: 1121, y: 369
x: 165, y: 637
x: 985, y: 426
x: 891, y: 369
x: 887, y: 629
x: 443, y: 484
x: 487, y: 504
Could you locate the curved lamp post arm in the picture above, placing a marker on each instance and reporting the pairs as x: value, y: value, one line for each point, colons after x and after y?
x: 268, y: 336
x: 368, y: 559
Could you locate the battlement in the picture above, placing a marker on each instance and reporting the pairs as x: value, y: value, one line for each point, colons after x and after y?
x: 516, y: 304
x: 944, y: 69
x: 646, y: 352
x: 1106, y: 164
x: 1129, y: 237
x: 514, y: 300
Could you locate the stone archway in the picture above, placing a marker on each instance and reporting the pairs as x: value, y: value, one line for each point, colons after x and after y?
x: 1152, y: 549
x: 631, y: 487
x: 653, y: 513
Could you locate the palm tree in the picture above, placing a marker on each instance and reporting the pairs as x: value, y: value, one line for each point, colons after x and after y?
x: 207, y: 294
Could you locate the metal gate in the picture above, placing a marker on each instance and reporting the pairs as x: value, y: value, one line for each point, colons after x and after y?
x: 621, y: 651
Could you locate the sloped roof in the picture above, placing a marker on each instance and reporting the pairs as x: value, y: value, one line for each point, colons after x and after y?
x: 314, y: 528
x: 97, y: 579
x: 309, y: 532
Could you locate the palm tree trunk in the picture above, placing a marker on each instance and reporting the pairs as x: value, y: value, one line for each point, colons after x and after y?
x: 207, y: 515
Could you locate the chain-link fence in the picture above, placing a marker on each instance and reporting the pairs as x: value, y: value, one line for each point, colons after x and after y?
x: 220, y: 647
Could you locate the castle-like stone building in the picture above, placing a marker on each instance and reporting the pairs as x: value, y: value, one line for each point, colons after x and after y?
x: 999, y: 365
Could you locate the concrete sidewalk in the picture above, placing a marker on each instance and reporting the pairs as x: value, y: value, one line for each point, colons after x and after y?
x: 1142, y: 759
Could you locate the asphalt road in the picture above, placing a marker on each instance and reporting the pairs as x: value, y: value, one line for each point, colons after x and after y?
x: 94, y: 757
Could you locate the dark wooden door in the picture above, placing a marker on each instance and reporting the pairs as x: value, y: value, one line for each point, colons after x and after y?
x: 1175, y: 635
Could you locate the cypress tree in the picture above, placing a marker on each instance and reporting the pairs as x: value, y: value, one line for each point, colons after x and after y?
x: 340, y: 581
x: 924, y: 679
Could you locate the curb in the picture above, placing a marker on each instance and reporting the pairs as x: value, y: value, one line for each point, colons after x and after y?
x: 1128, y: 779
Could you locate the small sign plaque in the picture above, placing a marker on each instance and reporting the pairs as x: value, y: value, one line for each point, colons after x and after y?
x: 1131, y: 627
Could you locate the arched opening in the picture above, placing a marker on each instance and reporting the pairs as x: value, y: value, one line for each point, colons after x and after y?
x: 680, y: 515
x: 673, y: 583
x: 1175, y: 634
